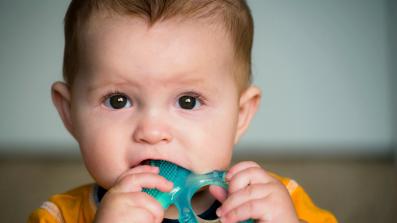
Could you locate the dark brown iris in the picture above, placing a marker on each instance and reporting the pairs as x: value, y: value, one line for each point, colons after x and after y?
x: 118, y: 101
x: 187, y: 102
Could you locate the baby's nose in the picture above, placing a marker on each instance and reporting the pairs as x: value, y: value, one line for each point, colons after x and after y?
x: 151, y: 131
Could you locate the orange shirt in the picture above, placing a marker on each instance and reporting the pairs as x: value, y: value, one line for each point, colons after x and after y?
x: 79, y: 206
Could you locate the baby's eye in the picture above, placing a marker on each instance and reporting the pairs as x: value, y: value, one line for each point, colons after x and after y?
x: 189, y: 102
x: 118, y: 101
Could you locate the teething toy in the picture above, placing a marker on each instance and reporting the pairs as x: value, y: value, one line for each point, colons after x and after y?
x: 186, y: 184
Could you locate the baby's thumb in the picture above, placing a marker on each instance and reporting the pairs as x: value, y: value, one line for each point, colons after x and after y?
x: 218, y: 192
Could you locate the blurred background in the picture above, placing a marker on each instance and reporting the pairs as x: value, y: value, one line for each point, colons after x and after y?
x: 328, y: 118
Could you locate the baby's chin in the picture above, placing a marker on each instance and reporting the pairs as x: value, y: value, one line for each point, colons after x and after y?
x: 106, y: 181
x: 105, y: 184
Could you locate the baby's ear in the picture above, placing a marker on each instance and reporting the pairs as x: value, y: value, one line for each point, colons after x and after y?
x: 249, y: 104
x: 61, y: 97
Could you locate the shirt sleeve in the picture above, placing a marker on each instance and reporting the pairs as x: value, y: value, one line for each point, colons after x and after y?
x: 305, y: 208
x: 47, y: 213
x: 74, y: 206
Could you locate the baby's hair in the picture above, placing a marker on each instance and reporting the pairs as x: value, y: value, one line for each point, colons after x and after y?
x: 234, y: 15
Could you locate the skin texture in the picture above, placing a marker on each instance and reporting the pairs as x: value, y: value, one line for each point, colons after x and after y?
x: 153, y: 67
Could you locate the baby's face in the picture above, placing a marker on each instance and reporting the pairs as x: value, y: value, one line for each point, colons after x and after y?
x: 165, y: 92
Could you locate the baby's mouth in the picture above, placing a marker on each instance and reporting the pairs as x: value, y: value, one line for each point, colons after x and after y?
x: 144, y: 162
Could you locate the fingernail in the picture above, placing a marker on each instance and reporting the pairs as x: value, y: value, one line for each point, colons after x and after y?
x: 219, y: 212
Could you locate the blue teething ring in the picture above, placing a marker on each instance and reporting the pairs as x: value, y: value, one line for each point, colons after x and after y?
x: 186, y: 184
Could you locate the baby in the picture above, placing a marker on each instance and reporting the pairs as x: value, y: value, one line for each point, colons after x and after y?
x: 164, y: 80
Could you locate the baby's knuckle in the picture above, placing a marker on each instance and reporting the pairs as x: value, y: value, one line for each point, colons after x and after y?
x: 249, y: 191
x: 129, y: 178
x: 254, y: 190
x: 133, y: 198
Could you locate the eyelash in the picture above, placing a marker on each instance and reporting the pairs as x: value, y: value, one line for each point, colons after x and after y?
x: 196, y: 95
x: 110, y: 94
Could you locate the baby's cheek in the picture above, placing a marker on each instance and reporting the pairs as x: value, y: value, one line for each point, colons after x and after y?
x: 217, y: 147
x: 104, y: 171
x: 217, y: 153
x: 103, y: 158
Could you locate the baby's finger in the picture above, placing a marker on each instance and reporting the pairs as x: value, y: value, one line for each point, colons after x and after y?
x: 138, y: 206
x: 139, y: 169
x: 248, y: 176
x: 218, y: 192
x: 253, y: 209
x: 136, y: 182
x: 239, y: 167
x: 147, y: 202
x: 253, y: 192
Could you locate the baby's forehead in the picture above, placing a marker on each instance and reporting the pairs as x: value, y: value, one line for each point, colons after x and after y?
x: 87, y: 19
x: 163, y: 43
x: 102, y: 25
x: 100, y: 18
x: 106, y: 25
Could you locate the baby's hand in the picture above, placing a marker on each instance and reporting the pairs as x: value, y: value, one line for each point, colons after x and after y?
x: 125, y: 201
x: 254, y: 194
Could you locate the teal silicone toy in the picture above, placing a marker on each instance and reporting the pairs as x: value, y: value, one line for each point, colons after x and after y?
x: 186, y: 184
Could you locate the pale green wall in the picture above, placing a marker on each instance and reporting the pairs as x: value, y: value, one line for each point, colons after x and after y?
x: 323, y: 67
x: 392, y: 21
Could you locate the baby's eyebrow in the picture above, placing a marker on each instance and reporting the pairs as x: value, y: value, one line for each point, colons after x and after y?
x: 109, y: 83
x: 92, y: 88
x: 95, y: 87
x: 171, y: 81
x: 174, y: 81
